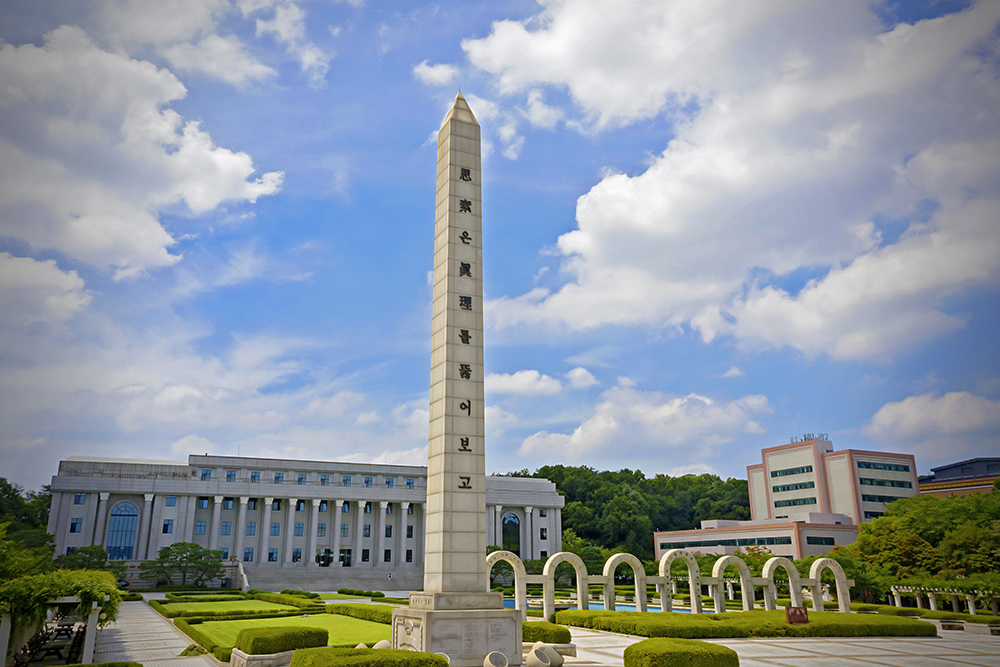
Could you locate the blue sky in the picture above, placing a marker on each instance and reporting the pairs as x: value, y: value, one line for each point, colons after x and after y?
x: 707, y: 228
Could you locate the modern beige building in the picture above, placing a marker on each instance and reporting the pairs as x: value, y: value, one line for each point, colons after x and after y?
x: 808, y: 475
x: 798, y: 535
x: 805, y: 499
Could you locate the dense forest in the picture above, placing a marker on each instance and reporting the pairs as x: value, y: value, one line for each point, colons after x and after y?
x: 621, y: 510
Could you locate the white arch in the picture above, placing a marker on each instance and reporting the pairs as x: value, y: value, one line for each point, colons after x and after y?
x: 609, y: 581
x: 746, y: 586
x: 694, y: 579
x: 549, y: 582
x: 843, y: 588
x: 771, y: 589
x: 520, y: 578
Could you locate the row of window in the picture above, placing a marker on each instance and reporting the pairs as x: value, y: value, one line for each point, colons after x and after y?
x: 875, y: 465
x: 868, y: 498
x: 870, y: 481
x: 204, y: 502
x: 793, y: 487
x: 303, y: 478
x: 794, y: 502
x: 226, y: 528
x: 820, y: 541
x: 742, y: 542
x: 791, y: 471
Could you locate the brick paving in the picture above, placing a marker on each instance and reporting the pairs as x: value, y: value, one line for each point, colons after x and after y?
x: 142, y: 635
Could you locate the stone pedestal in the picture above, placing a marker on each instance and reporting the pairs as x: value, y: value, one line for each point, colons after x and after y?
x: 465, y: 626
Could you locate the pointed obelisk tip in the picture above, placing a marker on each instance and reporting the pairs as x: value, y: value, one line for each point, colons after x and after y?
x: 460, y: 111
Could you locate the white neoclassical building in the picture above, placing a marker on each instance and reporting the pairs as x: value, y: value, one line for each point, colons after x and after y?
x: 278, y: 515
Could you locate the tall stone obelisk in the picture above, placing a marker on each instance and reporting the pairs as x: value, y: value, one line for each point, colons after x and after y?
x: 456, y: 614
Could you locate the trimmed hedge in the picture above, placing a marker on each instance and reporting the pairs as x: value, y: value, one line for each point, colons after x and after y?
x: 191, y: 630
x: 313, y: 606
x: 301, y: 594
x: 670, y: 652
x: 228, y: 614
x: 365, y: 657
x: 378, y: 613
x: 360, y: 593
x: 543, y: 631
x: 219, y: 597
x: 132, y: 597
x: 757, y: 623
x: 276, y: 640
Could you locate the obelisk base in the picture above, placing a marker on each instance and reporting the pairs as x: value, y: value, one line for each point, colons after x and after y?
x: 464, y: 626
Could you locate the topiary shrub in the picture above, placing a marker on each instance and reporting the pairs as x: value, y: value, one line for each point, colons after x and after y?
x: 378, y: 613
x: 276, y: 640
x: 670, y: 652
x: 132, y: 597
x: 365, y: 657
x: 311, y: 606
x: 302, y: 594
x: 543, y: 631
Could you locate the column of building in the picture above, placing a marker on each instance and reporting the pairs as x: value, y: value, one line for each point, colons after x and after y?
x: 213, y: 530
x: 265, y: 530
x: 356, y: 556
x: 241, y: 528
x: 335, y: 527
x: 310, y: 557
x: 146, y: 521
x: 102, y: 513
x: 290, y: 530
x: 527, y: 546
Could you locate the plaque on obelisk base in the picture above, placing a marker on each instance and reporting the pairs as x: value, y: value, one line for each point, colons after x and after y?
x: 457, y: 614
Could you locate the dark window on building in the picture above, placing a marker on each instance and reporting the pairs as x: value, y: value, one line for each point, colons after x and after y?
x: 226, y: 528
x: 227, y: 503
x: 251, y: 527
x: 820, y: 541
x: 791, y: 471
x: 409, y: 555
x: 302, y: 478
x: 387, y: 556
x: 367, y: 530
x: 321, y: 530
x: 794, y: 502
x: 409, y: 532
x: 76, y: 525
x: 202, y: 503
x: 275, y: 529
x: 168, y: 526
x: 80, y: 499
x: 206, y: 475
x: 279, y: 478
x: 248, y: 555
x: 299, y: 529
x: 199, y: 527
x: 324, y: 480
x: 230, y: 475
x: 272, y: 555
x: 365, y: 555
x: 254, y: 476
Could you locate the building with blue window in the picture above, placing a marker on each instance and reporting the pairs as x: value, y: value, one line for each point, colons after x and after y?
x: 366, y: 517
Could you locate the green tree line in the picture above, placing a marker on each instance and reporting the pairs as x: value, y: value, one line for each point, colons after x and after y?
x: 620, y: 510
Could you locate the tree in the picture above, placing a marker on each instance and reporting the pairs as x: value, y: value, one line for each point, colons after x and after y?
x: 18, y: 559
x: 91, y: 558
x: 185, y: 559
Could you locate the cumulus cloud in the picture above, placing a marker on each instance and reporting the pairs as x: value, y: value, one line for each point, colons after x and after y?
x: 794, y: 156
x: 634, y: 424
x: 734, y: 372
x: 522, y: 383
x: 194, y: 444
x: 224, y: 58
x: 580, y: 377
x: 90, y: 156
x: 33, y: 291
x: 287, y: 25
x: 435, y: 75
x: 935, y: 427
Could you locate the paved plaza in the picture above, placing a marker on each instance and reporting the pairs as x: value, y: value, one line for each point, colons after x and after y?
x: 952, y: 648
x: 142, y: 635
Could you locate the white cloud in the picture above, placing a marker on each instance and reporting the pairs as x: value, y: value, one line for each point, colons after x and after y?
x: 502, y: 122
x: 338, y: 404
x: 734, y: 372
x: 927, y: 416
x: 938, y: 429
x: 580, y: 377
x: 435, y: 75
x: 224, y: 58
x: 288, y: 26
x: 89, y: 157
x: 33, y: 291
x: 162, y: 22
x: 629, y: 424
x: 796, y: 148
x: 522, y: 383
x: 193, y: 444
x: 540, y: 114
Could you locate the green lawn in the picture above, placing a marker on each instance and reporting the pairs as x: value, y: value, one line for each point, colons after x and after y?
x: 342, y: 629
x: 339, y: 596
x: 235, y: 606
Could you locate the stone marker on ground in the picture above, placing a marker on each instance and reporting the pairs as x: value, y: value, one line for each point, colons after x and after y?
x: 456, y: 614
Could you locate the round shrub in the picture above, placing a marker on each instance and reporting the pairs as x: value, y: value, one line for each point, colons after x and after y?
x: 543, y: 631
x: 670, y: 652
